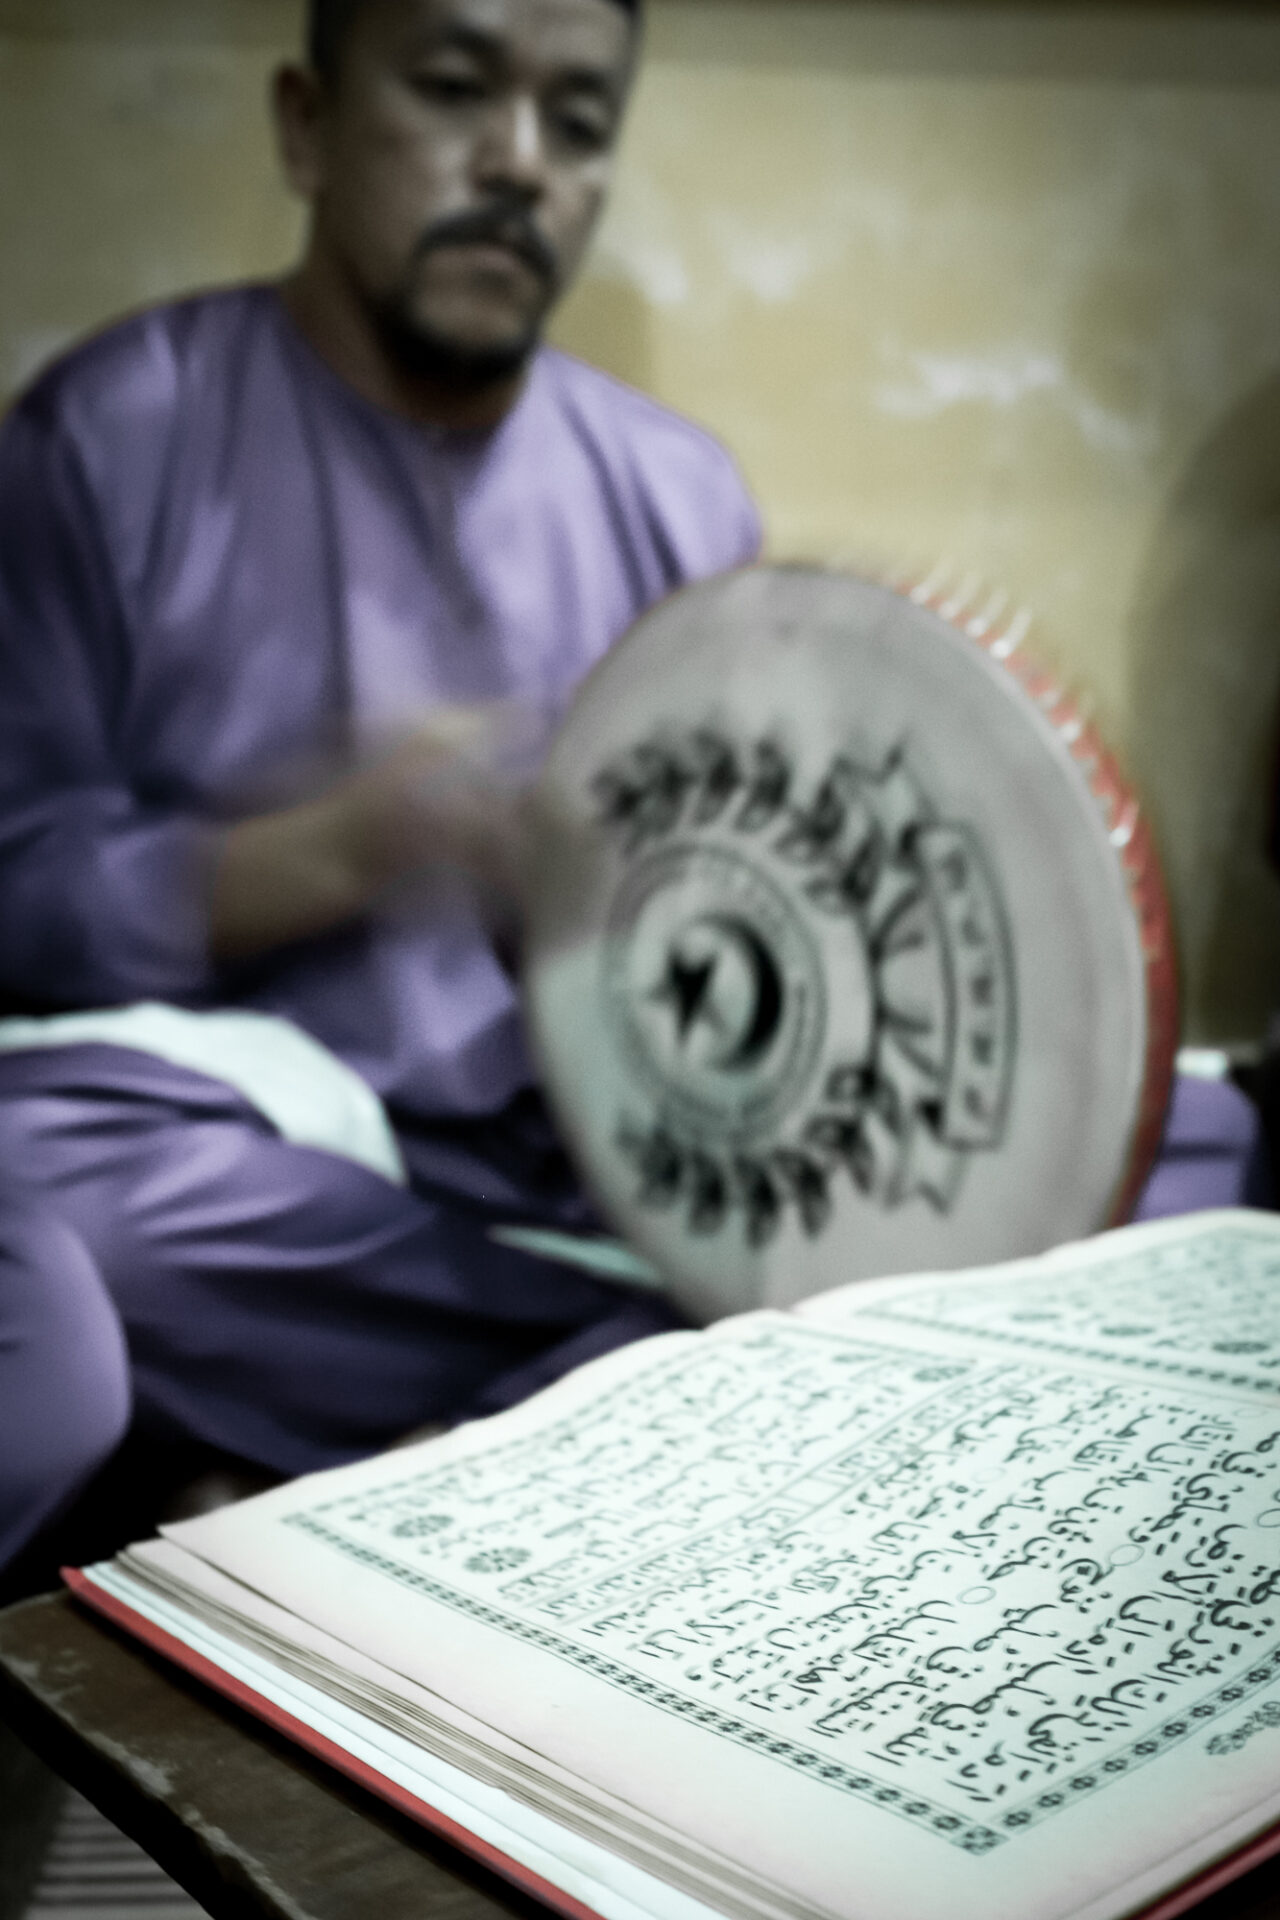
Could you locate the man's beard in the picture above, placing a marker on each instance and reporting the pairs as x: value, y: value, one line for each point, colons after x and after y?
x: 426, y: 352
x: 423, y: 352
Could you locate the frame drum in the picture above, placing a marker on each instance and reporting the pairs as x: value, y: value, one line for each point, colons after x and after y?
x: 849, y: 953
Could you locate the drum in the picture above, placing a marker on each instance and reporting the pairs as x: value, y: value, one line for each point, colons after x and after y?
x: 849, y: 953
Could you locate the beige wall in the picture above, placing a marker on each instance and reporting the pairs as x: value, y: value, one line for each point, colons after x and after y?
x: 997, y: 285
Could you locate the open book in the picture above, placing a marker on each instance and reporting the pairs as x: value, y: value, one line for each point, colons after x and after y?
x: 947, y: 1596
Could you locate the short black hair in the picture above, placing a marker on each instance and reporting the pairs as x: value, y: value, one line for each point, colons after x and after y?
x: 328, y: 22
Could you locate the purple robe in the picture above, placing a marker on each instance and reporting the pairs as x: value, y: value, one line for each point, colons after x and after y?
x: 219, y: 568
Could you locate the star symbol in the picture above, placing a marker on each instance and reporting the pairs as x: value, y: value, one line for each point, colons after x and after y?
x: 686, y: 988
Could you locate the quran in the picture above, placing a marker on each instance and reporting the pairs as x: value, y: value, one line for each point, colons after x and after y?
x: 953, y: 1595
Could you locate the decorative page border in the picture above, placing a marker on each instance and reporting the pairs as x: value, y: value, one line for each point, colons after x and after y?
x: 1218, y: 1376
x: 1229, y: 1241
x: 972, y: 1837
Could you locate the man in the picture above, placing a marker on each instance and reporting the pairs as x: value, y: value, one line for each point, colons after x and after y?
x: 268, y: 559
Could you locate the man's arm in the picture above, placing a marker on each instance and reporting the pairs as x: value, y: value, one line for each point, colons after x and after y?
x: 109, y: 894
x: 433, y: 804
x: 100, y: 886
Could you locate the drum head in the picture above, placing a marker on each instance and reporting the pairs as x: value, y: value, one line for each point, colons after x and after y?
x: 848, y: 954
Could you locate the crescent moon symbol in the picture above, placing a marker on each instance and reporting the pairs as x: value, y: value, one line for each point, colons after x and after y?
x: 766, y: 1008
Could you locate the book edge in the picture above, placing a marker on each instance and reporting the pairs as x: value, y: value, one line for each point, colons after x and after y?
x: 1211, y: 1880
x: 88, y: 1593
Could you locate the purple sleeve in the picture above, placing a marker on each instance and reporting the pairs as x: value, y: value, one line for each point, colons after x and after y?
x: 744, y: 529
x: 101, y: 884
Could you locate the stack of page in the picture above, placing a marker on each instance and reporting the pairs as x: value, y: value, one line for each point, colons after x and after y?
x: 954, y: 1597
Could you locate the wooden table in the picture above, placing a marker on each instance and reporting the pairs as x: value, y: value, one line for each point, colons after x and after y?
x: 252, y: 1828
x: 245, y: 1822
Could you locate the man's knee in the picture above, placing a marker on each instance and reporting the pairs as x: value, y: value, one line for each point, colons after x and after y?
x: 64, y: 1374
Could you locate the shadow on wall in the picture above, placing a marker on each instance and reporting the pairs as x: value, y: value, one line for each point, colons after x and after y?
x: 975, y: 40
x: 606, y: 320
x: 1206, y: 690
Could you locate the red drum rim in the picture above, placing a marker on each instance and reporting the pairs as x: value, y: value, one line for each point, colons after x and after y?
x: 1130, y: 834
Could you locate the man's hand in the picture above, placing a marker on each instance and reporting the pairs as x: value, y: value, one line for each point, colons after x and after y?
x: 447, y: 800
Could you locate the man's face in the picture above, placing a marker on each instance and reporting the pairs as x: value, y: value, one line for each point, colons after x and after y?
x: 457, y: 163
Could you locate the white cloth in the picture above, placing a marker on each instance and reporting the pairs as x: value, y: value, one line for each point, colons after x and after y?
x: 308, y: 1094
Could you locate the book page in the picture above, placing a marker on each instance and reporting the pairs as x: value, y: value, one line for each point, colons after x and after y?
x: 1195, y: 1299
x: 859, y: 1609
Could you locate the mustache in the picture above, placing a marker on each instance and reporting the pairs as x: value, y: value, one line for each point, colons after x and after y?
x: 509, y: 227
